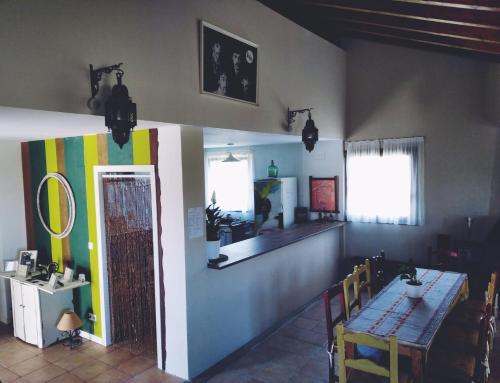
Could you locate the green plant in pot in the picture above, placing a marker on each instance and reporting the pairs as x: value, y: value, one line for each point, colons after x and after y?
x: 213, y: 217
x: 413, y: 284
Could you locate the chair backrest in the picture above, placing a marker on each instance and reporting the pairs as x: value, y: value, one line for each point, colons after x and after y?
x: 365, y: 278
x: 366, y: 365
x: 377, y: 265
x: 351, y: 303
x: 334, y: 292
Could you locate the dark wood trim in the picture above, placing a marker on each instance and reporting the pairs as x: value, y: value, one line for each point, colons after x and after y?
x: 153, y: 143
x: 28, y: 196
x: 430, y: 27
x: 418, y: 36
x: 411, y: 10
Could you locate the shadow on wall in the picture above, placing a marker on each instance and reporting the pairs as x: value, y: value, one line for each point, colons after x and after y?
x: 495, y: 181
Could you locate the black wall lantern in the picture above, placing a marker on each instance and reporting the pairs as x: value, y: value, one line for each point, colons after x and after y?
x: 309, y: 133
x: 120, y: 111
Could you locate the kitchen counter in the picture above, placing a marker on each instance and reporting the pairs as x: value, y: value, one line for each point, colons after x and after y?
x: 262, y: 244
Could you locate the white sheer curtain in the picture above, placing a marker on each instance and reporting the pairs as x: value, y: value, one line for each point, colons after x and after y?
x: 231, y: 181
x: 385, y: 181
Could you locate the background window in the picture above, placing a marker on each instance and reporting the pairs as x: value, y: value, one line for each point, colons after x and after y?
x: 231, y: 181
x: 385, y: 186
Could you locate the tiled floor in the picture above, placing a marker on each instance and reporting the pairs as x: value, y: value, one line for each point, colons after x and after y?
x: 295, y: 353
x: 23, y: 363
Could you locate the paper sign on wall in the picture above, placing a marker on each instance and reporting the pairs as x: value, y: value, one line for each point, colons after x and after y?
x: 196, y: 222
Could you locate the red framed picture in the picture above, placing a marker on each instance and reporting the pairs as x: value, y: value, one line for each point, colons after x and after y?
x: 323, y: 195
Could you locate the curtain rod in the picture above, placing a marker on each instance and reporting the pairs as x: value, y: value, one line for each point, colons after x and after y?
x: 387, y: 138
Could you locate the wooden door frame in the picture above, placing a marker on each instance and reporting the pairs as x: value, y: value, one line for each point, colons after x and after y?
x: 149, y: 172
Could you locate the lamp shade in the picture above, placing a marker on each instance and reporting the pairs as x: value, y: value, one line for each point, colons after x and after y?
x: 231, y: 158
x: 69, y: 322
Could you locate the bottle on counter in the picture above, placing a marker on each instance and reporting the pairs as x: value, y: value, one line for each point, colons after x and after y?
x: 272, y: 170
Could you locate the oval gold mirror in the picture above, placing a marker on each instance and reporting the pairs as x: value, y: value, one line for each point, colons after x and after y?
x: 70, y: 201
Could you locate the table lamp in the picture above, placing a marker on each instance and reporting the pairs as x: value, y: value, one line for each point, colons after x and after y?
x: 70, y: 324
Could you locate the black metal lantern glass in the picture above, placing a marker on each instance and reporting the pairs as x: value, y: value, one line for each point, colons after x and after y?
x: 121, y: 113
x: 310, y: 134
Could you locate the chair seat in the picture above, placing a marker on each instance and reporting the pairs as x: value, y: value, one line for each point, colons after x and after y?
x: 457, y: 337
x: 356, y: 376
x: 452, y: 363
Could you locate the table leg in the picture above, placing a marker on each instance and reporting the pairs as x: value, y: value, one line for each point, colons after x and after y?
x: 417, y: 365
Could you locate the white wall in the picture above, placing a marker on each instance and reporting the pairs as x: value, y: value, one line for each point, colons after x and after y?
x: 47, y: 47
x: 228, y: 308
x: 399, y: 92
x: 12, y: 219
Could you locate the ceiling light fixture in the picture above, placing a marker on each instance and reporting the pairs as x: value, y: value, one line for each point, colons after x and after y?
x: 120, y: 111
x: 231, y: 158
x: 310, y: 132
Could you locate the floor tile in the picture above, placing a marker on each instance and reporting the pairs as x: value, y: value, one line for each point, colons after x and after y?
x: 116, y: 357
x: 9, y: 357
x: 90, y: 369
x: 110, y: 376
x: 7, y: 376
x: 135, y: 365
x: 72, y: 361
x: 66, y: 378
x: 44, y: 374
x: 30, y: 365
x: 154, y: 375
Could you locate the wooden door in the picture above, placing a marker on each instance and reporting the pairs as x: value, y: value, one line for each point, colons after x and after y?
x: 130, y: 258
x: 17, y: 309
x: 31, y: 317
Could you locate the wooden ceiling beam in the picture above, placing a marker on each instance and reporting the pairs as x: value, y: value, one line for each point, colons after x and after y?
x: 411, y: 10
x: 424, y: 26
x: 415, y: 36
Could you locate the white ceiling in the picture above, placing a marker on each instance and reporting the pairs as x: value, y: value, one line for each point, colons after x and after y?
x: 29, y: 124
x: 217, y: 138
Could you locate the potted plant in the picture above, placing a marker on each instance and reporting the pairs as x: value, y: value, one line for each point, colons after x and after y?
x: 413, y: 285
x: 213, y: 216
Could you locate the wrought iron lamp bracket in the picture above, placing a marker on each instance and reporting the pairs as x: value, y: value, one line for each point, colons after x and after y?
x: 96, y: 76
x: 293, y: 113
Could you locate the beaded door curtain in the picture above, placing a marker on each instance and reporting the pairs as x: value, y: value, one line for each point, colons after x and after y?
x: 129, y: 243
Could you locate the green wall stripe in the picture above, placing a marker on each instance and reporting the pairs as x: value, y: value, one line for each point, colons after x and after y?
x: 79, y: 236
x: 117, y: 156
x: 38, y: 171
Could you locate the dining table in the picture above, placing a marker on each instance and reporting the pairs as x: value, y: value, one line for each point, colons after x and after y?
x: 414, y: 321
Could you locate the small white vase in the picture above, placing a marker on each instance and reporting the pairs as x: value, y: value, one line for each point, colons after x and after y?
x: 213, y: 248
x: 414, y: 291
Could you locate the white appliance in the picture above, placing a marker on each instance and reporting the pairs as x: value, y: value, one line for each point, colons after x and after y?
x: 272, y: 197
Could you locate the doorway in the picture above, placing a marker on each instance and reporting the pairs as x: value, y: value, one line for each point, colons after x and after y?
x: 127, y: 235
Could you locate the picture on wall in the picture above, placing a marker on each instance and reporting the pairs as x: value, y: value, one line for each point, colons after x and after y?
x: 323, y: 194
x: 228, y: 64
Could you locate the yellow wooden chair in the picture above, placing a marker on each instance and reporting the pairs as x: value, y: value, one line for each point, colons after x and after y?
x: 351, y: 303
x: 364, y: 278
x: 361, y: 369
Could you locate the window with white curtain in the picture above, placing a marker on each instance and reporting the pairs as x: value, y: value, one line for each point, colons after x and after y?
x: 231, y: 181
x: 385, y: 181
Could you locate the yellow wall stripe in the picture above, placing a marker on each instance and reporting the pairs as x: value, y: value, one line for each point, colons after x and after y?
x: 63, y: 203
x: 141, y: 147
x: 54, y: 207
x: 90, y: 145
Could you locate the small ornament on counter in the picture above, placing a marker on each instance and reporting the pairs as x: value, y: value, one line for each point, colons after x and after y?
x: 272, y: 170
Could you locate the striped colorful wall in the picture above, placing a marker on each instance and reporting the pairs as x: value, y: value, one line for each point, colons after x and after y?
x: 75, y: 157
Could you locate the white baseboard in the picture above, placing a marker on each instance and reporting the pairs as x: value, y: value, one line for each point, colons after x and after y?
x: 92, y: 337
